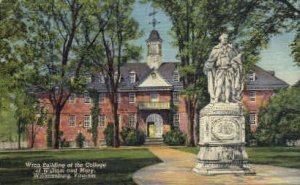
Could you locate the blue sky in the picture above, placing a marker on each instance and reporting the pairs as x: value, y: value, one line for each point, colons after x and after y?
x: 276, y: 57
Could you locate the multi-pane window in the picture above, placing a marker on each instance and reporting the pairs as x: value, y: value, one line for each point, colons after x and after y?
x: 101, y: 97
x: 101, y: 78
x: 154, y: 96
x: 252, y: 95
x: 176, y: 120
x: 252, y: 118
x: 72, y: 98
x: 88, y: 78
x: 132, y: 120
x: 251, y: 76
x: 176, y: 76
x: 175, y: 97
x: 87, y: 122
x: 132, y: 76
x: 72, y: 120
x: 131, y: 97
x: 86, y: 97
x: 117, y: 77
x: 101, y: 120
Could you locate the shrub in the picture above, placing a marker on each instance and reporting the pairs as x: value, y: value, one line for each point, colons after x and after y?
x: 133, y: 137
x: 109, y: 134
x: 174, y: 137
x: 80, y: 140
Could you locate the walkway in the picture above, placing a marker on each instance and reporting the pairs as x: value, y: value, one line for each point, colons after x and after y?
x: 176, y: 169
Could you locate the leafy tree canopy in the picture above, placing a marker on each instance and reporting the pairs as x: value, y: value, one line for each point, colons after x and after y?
x: 279, y: 120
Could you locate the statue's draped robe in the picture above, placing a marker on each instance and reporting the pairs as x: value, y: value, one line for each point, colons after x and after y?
x: 223, y: 69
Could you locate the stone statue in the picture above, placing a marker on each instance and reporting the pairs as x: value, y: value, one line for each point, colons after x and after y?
x: 224, y: 72
x: 222, y: 123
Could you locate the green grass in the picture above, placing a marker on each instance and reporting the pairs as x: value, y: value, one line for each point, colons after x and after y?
x: 277, y: 156
x: 121, y: 164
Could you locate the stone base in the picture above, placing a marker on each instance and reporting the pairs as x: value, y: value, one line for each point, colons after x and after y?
x: 222, y: 139
x: 244, y: 171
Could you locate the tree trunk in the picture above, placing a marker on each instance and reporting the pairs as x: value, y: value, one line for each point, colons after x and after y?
x: 190, y: 124
x: 56, y: 125
x: 19, y: 135
x: 196, y: 127
x: 32, y: 135
x: 116, y: 124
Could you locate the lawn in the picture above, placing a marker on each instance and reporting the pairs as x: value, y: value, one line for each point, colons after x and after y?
x: 277, y: 156
x: 120, y: 165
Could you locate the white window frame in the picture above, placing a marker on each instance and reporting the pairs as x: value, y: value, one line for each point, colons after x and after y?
x: 88, y: 78
x: 101, y: 97
x: 152, y: 95
x: 132, y: 120
x: 87, y: 121
x: 252, y: 119
x: 86, y: 97
x: 176, y: 100
x: 132, y: 76
x: 72, y: 98
x: 176, y: 120
x: 252, y: 96
x: 101, y: 120
x: 176, y: 77
x: 131, y: 97
x: 101, y: 78
x: 72, y: 122
x: 251, y: 77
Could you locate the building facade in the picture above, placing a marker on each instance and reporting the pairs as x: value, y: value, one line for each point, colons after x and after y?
x: 149, y: 99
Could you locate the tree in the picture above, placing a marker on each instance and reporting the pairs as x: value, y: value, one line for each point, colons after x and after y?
x: 12, y: 29
x: 56, y: 50
x: 95, y: 115
x: 114, y: 50
x: 279, y: 120
x: 196, y: 26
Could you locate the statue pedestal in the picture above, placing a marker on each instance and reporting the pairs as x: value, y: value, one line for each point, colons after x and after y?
x: 222, y: 140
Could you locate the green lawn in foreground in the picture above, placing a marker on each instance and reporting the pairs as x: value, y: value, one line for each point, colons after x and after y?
x: 277, y: 156
x: 121, y: 163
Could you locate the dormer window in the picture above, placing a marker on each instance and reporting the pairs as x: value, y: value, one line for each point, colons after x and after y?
x: 176, y: 76
x: 88, y: 78
x: 132, y: 76
x: 116, y: 77
x: 251, y: 77
x: 101, y: 78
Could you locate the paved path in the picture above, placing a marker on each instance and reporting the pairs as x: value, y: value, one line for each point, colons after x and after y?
x: 176, y: 169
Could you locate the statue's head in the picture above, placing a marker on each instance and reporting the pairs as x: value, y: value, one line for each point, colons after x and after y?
x: 224, y: 38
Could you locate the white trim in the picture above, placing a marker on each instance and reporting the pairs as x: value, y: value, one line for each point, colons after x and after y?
x: 101, y: 122
x: 176, y: 117
x: 86, y: 98
x: 74, y: 121
x: 130, y: 96
x: 252, y: 96
x: 130, y: 117
x: 87, y: 123
x: 175, y: 94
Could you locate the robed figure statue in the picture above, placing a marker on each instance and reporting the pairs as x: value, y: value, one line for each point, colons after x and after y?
x: 224, y: 72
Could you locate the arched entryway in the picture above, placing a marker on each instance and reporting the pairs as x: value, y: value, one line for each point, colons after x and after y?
x: 155, y: 124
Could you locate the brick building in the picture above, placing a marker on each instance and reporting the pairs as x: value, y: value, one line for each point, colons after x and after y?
x: 147, y: 96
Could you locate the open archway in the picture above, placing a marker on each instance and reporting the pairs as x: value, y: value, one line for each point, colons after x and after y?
x: 155, y: 125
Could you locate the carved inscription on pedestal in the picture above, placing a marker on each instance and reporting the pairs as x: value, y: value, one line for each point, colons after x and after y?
x: 224, y: 129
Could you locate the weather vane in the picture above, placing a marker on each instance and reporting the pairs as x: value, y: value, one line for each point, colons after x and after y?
x: 154, y: 22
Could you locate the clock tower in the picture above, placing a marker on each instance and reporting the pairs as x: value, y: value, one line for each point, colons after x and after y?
x: 154, y: 54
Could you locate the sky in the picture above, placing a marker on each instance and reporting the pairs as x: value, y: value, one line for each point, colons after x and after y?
x: 276, y: 57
